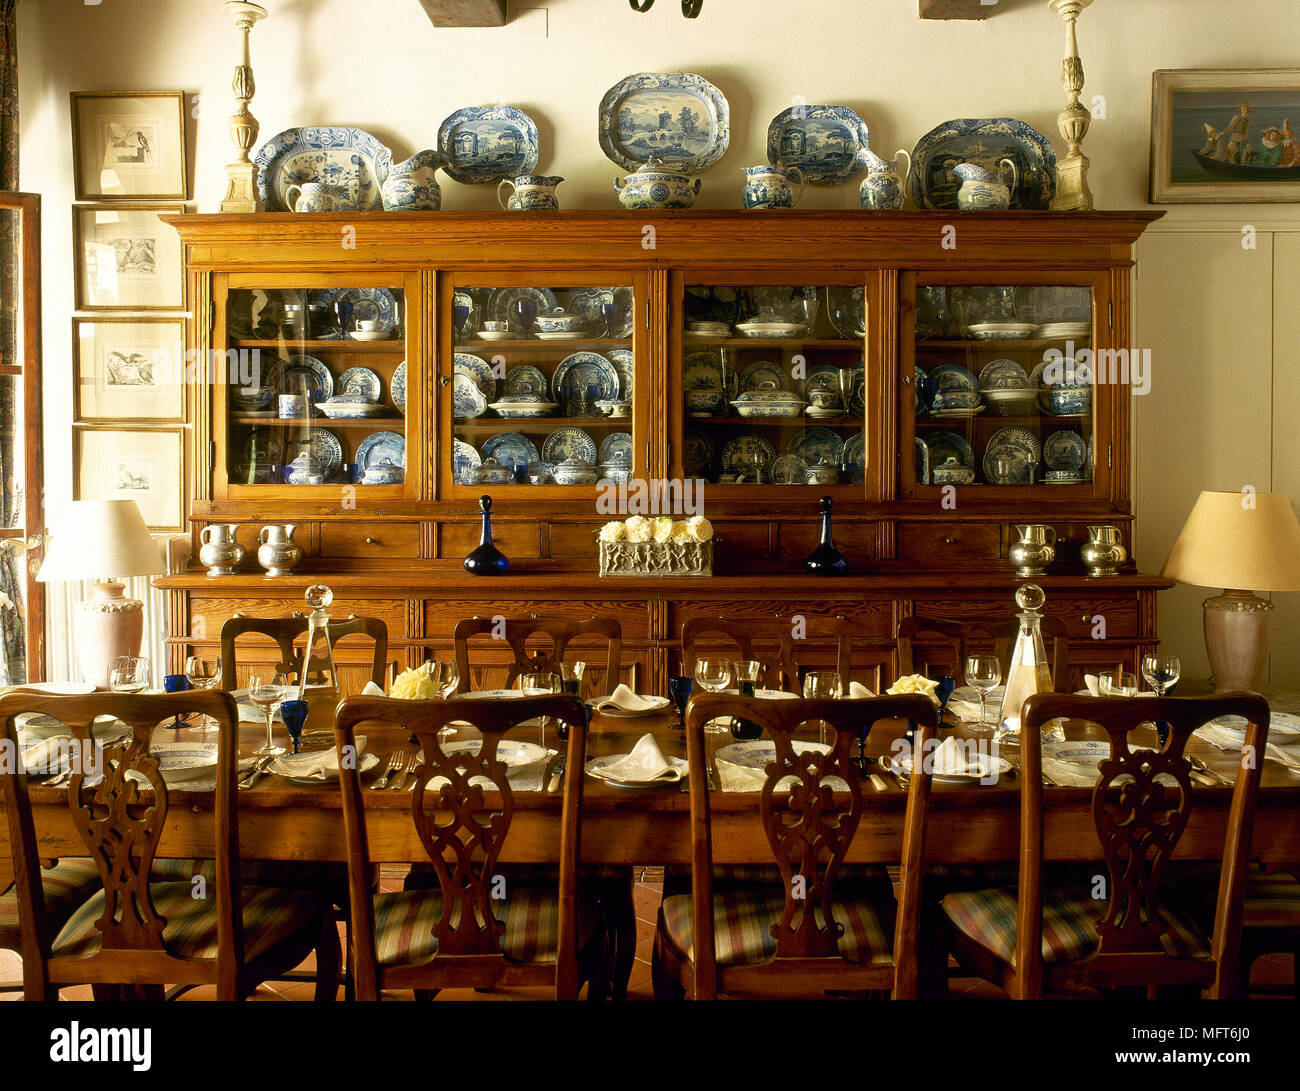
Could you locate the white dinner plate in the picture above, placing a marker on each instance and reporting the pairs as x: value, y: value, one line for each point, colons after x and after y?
x: 179, y: 761
x: 982, y: 767
x: 288, y: 765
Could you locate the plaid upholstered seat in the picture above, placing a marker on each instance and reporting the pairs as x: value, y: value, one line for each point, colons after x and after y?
x: 326, y: 878
x: 404, y: 924
x: 1271, y: 901
x: 270, y: 916
x: 743, y: 918
x: 1069, y: 925
x: 67, y: 885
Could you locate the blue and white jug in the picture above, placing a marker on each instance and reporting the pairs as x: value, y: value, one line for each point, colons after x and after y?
x: 413, y: 185
x: 882, y: 189
x: 767, y: 186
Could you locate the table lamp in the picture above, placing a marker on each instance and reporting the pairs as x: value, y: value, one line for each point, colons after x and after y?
x: 1238, y: 540
x: 103, y: 540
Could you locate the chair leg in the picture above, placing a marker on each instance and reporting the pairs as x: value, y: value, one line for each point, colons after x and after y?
x: 619, y: 912
x: 594, y: 967
x: 665, y: 973
x: 329, y: 959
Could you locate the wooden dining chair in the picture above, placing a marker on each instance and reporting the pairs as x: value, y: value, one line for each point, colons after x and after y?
x: 814, y: 927
x: 486, y: 924
x: 286, y: 631
x: 133, y: 936
x: 1126, y: 927
x: 551, y: 638
x: 777, y: 644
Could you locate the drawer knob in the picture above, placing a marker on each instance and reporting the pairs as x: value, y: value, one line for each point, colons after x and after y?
x: 371, y: 541
x: 950, y: 540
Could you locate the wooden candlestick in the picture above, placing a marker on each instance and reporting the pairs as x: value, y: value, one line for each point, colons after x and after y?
x: 241, y: 175
x: 1072, y: 190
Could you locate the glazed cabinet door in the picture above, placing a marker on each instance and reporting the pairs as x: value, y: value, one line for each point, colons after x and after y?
x: 1009, y: 383
x: 309, y: 378
x: 543, y: 383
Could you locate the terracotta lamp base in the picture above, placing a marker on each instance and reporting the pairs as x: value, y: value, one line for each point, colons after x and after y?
x: 108, y: 626
x: 1236, y: 639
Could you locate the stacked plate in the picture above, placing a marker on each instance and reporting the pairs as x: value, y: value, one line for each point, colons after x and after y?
x: 1059, y: 331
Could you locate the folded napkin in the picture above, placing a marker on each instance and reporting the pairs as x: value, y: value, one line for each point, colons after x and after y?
x: 48, y: 757
x: 858, y: 692
x: 1094, y: 686
x: 645, y: 765
x: 521, y: 778
x: 965, y: 703
x: 952, y: 758
x: 314, y: 764
x: 1230, y: 736
x: 624, y: 699
x: 1070, y: 774
x: 372, y: 690
x: 745, y: 778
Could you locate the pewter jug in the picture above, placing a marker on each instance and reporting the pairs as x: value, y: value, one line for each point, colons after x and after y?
x: 277, y: 552
x: 220, y: 553
x: 1035, y: 550
x: 1103, y: 552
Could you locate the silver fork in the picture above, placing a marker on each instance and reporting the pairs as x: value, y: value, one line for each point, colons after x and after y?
x: 409, y: 771
x: 395, y: 762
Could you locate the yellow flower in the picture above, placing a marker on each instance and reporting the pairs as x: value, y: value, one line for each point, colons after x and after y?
x: 915, y: 683
x: 663, y: 528
x: 700, y: 528
x: 613, y: 532
x: 413, y: 685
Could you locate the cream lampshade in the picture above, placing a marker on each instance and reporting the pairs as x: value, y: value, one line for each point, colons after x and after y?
x: 103, y: 540
x: 1238, y: 540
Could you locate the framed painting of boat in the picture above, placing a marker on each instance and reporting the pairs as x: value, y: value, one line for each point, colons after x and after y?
x: 1222, y: 136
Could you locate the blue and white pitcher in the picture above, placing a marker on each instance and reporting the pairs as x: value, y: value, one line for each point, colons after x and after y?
x: 413, y: 185
x: 882, y: 189
x: 530, y: 193
x: 983, y: 190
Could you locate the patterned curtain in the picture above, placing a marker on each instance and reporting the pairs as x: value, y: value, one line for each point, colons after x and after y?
x: 12, y: 663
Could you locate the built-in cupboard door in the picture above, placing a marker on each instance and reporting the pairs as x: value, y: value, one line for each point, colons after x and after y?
x: 22, y: 608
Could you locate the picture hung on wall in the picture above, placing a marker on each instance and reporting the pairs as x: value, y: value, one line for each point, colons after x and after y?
x: 1224, y: 135
x: 129, y: 369
x: 127, y: 258
x: 129, y: 145
x: 144, y: 466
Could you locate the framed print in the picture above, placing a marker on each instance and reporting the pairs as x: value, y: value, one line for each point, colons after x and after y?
x: 1223, y: 136
x: 129, y: 369
x: 145, y: 466
x: 129, y: 145
x: 127, y: 259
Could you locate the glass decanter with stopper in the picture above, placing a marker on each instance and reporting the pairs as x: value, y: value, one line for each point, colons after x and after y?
x: 1028, y: 673
x: 319, y: 677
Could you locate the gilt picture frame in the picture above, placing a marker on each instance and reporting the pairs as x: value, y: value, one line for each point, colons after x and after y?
x: 129, y: 369
x: 127, y: 259
x: 129, y: 145
x: 145, y: 465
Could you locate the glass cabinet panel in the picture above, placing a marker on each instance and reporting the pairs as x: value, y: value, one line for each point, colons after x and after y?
x: 773, y: 384
x: 543, y: 385
x: 316, y: 387
x: 1002, y: 390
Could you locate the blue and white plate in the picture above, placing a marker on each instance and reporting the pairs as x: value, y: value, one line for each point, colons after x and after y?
x: 566, y: 443
x: 1064, y: 450
x: 398, y: 386
x: 625, y: 364
x: 763, y: 375
x: 946, y: 445
x: 299, y: 373
x: 616, y: 445
x: 510, y: 449
x: 368, y: 304
x: 525, y: 379
x: 822, y: 377
x: 480, y: 371
x: 952, y: 377
x: 922, y: 454
x: 678, y: 117
x: 184, y: 760
x: 824, y: 142
x: 501, y: 307
x: 380, y: 447
x: 1003, y: 375
x: 581, y: 380
x: 789, y: 469
x: 697, y: 454
x: 323, y: 448
x: 361, y: 380
x: 467, y: 399
x: 737, y: 454
x: 1018, y: 444
x: 332, y: 155
x: 984, y: 141
x: 464, y: 461
x: 814, y: 444
x: 589, y: 303
x: 486, y: 144
x: 855, y: 457
x: 702, y: 371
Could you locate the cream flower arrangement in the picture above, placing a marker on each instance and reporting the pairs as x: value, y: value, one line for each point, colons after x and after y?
x: 915, y: 683
x: 413, y: 685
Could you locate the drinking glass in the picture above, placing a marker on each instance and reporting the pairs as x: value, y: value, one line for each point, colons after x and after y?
x: 267, y: 691
x: 1162, y: 673
x: 1118, y: 684
x: 679, y: 688
x: 983, y: 673
x: 571, y: 675
x: 130, y: 674
x: 525, y: 313
x: 819, y: 685
x: 745, y: 672
x: 539, y: 685
x: 203, y: 673
x: 609, y: 313
x: 445, y: 678
x: 176, y: 683
x: 461, y: 313
x: 714, y: 675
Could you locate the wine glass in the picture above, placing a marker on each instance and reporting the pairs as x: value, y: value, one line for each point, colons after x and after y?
x: 525, y: 313
x: 1162, y: 673
x: 1118, y: 684
x: 130, y: 674
x: 203, y: 673
x: 445, y: 678
x: 983, y: 673
x: 611, y: 316
x: 267, y: 691
x: 540, y: 685
x: 818, y: 685
x: 715, y: 676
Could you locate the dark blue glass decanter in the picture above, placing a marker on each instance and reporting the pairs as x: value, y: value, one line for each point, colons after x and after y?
x: 826, y: 560
x: 486, y: 559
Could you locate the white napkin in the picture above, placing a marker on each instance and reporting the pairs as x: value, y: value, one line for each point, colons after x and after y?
x: 315, y: 764
x: 858, y: 692
x: 743, y: 778
x: 965, y: 703
x: 48, y: 757
x: 624, y: 699
x: 644, y: 765
x: 952, y: 759
x: 372, y: 690
x: 1231, y: 736
x: 1094, y: 686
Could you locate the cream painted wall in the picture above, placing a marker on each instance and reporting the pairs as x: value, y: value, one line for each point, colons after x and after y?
x: 379, y: 64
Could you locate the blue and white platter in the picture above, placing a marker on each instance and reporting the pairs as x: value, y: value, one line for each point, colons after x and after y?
x: 575, y: 376
x: 625, y: 364
x: 952, y: 377
x: 332, y: 155
x: 1064, y: 450
x: 983, y: 141
x: 467, y: 399
x: 1018, y: 444
x: 480, y: 371
x: 483, y: 145
x: 501, y: 306
x: 814, y: 444
x: 587, y: 304
x: 292, y: 375
x: 525, y: 379
x: 379, y: 447
x: 642, y: 115
x: 789, y: 469
x: 615, y: 446
x: 946, y: 445
x: 510, y: 449
x: 922, y: 455
x: 361, y: 380
x: 368, y: 304
x: 826, y: 143
x: 855, y: 458
x: 697, y: 454
x: 702, y: 371
x: 565, y: 443
x: 1003, y: 375
x: 398, y: 386
x: 736, y: 455
x: 323, y: 447
x: 763, y: 375
x: 848, y: 311
x: 822, y: 377
x: 464, y: 461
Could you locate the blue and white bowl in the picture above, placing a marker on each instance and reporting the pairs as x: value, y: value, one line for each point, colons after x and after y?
x: 252, y: 399
x: 558, y: 322
x: 1067, y: 401
x: 575, y: 471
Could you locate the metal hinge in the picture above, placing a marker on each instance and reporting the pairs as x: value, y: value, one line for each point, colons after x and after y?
x: 1108, y: 449
x: 212, y: 454
x: 1110, y: 314
x: 646, y: 467
x: 647, y: 314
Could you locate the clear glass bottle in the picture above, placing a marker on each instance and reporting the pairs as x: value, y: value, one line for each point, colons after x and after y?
x: 319, y: 677
x: 1028, y: 673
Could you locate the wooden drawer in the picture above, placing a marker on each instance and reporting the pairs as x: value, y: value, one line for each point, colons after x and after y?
x: 940, y: 544
x: 378, y: 541
x: 872, y: 618
x: 1120, y: 615
x: 857, y: 541
x: 441, y: 615
x: 515, y: 540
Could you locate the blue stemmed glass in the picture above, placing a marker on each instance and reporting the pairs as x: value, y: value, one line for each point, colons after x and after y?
x: 679, y: 688
x: 461, y: 312
x: 176, y: 683
x: 294, y: 715
x: 609, y: 312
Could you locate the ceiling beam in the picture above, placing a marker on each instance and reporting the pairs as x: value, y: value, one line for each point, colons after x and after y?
x: 957, y: 9
x: 465, y: 13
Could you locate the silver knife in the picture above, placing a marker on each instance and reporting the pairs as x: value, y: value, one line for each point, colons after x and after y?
x: 557, y: 774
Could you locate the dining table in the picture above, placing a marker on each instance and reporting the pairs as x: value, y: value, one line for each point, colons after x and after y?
x: 967, y: 823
